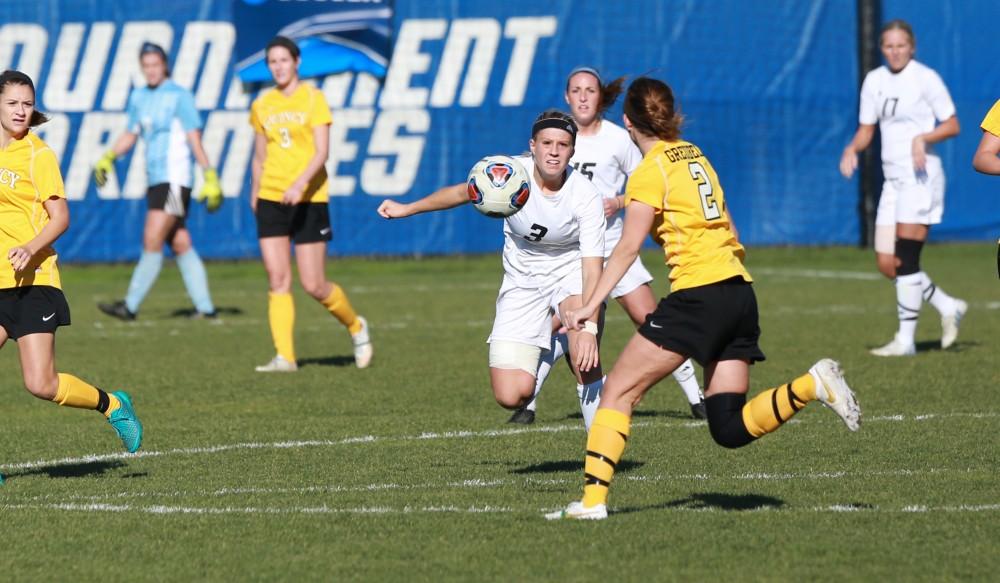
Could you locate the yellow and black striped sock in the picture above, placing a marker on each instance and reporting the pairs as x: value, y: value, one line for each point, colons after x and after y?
x: 77, y: 393
x: 338, y: 305
x: 768, y: 410
x: 605, y: 445
x: 281, y: 316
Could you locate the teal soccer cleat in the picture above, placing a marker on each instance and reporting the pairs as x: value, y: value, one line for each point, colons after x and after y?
x: 126, y: 424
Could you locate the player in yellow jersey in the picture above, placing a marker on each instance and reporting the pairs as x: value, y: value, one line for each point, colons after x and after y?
x: 33, y: 214
x: 985, y: 159
x: 710, y: 314
x: 289, y: 197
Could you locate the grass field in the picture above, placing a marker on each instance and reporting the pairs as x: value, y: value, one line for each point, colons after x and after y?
x: 406, y: 471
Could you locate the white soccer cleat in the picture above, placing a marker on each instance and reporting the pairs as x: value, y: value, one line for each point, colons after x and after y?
x: 278, y: 364
x: 833, y: 392
x: 577, y: 511
x: 949, y: 324
x: 363, y: 349
x: 895, y: 348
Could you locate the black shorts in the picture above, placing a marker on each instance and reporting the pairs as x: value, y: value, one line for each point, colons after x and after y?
x: 170, y: 198
x: 708, y: 323
x: 307, y: 222
x: 32, y: 309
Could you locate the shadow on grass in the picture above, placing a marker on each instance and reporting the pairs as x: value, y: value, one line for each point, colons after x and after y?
x: 82, y: 470
x: 671, y: 414
x: 327, y: 361
x: 191, y: 313
x: 572, y: 466
x: 713, y: 501
x: 935, y: 346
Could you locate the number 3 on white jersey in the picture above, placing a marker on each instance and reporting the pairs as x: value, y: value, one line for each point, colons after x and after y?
x: 286, y: 138
x: 708, y: 205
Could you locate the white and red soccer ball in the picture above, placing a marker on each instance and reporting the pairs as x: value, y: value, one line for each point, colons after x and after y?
x: 498, y: 186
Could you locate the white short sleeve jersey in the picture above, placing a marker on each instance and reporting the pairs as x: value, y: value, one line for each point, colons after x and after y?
x: 607, y: 158
x: 547, y: 238
x: 904, y: 104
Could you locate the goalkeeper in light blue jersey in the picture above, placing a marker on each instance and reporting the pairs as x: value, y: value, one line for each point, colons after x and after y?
x: 163, y: 113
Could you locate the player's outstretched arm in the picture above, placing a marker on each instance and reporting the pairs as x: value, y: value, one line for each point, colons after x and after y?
x: 441, y: 199
x: 985, y: 160
x: 638, y: 220
x: 106, y: 164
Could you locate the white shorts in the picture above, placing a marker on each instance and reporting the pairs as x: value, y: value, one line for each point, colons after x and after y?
x: 525, y: 314
x: 912, y: 201
x: 636, y: 275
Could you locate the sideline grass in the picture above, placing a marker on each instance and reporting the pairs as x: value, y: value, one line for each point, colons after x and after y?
x: 406, y: 471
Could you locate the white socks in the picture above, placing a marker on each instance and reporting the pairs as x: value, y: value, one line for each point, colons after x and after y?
x: 590, y: 400
x: 909, y: 296
x: 559, y: 347
x: 685, y: 377
x: 936, y: 297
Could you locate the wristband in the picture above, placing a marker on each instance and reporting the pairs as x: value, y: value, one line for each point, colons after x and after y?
x: 589, y: 327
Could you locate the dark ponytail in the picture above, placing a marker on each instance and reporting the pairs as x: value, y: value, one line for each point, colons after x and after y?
x: 649, y: 105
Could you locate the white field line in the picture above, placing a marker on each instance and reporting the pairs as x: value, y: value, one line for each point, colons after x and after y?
x: 451, y: 509
x: 816, y: 273
x: 427, y: 436
x: 108, y: 497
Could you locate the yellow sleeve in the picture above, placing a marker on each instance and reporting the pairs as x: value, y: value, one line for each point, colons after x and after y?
x: 46, y: 177
x: 991, y: 123
x: 320, y: 114
x: 254, y: 120
x: 646, y: 185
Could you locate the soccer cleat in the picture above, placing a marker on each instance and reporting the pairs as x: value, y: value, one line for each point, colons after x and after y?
x: 949, y: 324
x: 522, y: 416
x: 698, y: 410
x: 126, y: 424
x: 1, y: 479
x: 577, y: 511
x: 362, y: 345
x: 833, y: 392
x: 117, y: 310
x: 278, y: 364
x: 895, y: 348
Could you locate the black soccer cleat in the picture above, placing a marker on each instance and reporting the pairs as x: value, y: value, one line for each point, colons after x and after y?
x: 698, y: 410
x: 522, y: 417
x: 117, y: 310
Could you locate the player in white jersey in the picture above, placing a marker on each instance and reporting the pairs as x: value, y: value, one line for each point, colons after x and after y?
x: 553, y: 255
x: 607, y: 156
x: 907, y: 99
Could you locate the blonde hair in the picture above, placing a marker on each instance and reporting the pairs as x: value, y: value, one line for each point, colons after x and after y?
x: 898, y: 24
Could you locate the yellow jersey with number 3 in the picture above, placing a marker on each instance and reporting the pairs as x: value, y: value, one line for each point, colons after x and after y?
x: 991, y: 123
x: 29, y: 176
x: 288, y: 121
x: 691, y: 222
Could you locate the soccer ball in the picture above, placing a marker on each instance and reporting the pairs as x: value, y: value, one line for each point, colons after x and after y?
x: 498, y: 186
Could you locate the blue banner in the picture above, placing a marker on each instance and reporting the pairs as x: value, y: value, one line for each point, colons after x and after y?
x: 333, y: 37
x: 421, y: 90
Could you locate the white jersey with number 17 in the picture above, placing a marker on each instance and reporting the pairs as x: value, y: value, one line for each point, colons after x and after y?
x: 904, y: 105
x: 547, y: 238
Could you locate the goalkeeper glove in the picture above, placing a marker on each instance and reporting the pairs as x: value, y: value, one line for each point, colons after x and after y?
x: 104, y: 166
x: 211, y: 191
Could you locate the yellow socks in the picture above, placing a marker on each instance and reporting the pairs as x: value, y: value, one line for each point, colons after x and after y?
x: 768, y: 410
x: 605, y: 445
x: 338, y: 305
x: 77, y: 393
x: 281, y: 315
